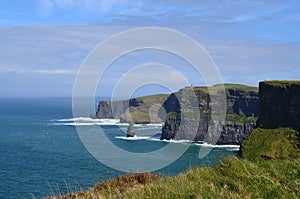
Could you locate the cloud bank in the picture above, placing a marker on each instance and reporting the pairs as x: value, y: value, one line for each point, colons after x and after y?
x: 250, y: 41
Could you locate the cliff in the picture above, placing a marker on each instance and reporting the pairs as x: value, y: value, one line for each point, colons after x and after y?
x: 242, y: 108
x: 139, y: 110
x: 279, y: 104
x: 195, y: 103
x: 114, y: 109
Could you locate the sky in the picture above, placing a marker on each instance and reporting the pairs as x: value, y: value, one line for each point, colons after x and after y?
x: 44, y: 42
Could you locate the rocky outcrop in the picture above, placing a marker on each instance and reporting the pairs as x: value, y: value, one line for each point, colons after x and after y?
x: 114, y: 109
x: 130, y: 130
x: 279, y: 104
x: 243, y: 102
x: 138, y: 110
x: 234, y: 132
x: 185, y: 122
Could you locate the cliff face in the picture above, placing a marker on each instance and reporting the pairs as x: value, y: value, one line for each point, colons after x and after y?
x: 114, y: 109
x: 279, y: 104
x: 138, y: 110
x: 242, y: 102
x: 242, y: 106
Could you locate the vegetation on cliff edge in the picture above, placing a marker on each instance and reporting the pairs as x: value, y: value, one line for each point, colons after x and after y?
x: 141, y: 114
x: 281, y: 83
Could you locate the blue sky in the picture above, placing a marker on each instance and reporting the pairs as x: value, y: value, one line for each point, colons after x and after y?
x: 44, y: 42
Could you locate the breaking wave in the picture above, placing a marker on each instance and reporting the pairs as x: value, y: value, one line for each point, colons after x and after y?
x: 86, y: 121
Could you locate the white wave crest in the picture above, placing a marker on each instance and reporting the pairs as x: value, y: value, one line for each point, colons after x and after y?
x: 76, y: 124
x: 156, y: 137
x: 77, y: 119
x: 176, y: 141
x: 133, y: 138
x: 86, y: 121
x: 234, y: 147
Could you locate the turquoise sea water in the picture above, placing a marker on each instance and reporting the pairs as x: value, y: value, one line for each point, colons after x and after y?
x: 41, y: 153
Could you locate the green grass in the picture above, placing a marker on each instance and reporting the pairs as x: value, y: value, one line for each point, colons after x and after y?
x: 239, y: 118
x: 240, y: 87
x: 216, y: 88
x: 140, y: 117
x: 282, y: 83
x: 229, y: 117
x: 153, y: 99
x: 231, y: 178
x: 281, y: 143
x: 140, y: 113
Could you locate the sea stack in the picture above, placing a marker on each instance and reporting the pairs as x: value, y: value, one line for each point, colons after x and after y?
x: 130, y: 130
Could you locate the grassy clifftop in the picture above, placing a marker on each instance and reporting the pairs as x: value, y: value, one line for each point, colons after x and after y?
x: 281, y: 83
x: 227, y: 87
x: 147, y: 109
x: 239, y: 87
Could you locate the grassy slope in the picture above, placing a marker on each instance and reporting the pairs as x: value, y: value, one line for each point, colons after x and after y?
x: 231, y: 178
x: 281, y: 143
x: 140, y: 114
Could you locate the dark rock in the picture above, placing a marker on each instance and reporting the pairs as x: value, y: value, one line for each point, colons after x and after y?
x: 279, y: 104
x: 130, y: 130
x: 241, y: 101
x: 234, y: 132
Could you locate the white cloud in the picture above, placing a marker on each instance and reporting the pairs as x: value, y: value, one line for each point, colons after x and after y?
x: 36, y: 71
x: 242, y: 54
x: 40, y: 49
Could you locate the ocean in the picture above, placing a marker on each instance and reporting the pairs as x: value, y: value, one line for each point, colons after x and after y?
x: 42, y: 155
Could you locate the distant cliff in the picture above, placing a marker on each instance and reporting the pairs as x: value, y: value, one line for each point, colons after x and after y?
x: 279, y: 104
x: 242, y: 110
x: 114, y: 109
x: 139, y: 110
